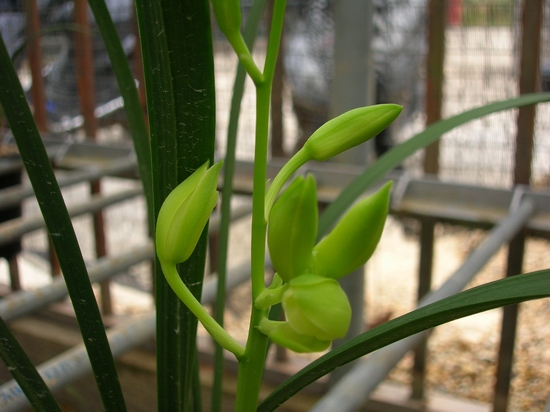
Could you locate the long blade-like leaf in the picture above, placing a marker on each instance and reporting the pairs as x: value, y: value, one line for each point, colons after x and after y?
x: 179, y: 79
x: 24, y: 372
x: 162, y: 127
x: 128, y: 90
x: 61, y: 231
x: 492, y: 295
x: 187, y: 25
x: 394, y: 157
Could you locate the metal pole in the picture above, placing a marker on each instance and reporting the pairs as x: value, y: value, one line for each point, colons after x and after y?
x: 425, y: 268
x: 14, y: 195
x: 23, y: 302
x: 34, y: 51
x: 437, y: 11
x: 20, y: 303
x: 355, y: 387
x: 72, y: 364
x: 533, y: 11
x: 435, y: 62
x: 351, y: 88
x: 16, y: 228
x: 86, y: 93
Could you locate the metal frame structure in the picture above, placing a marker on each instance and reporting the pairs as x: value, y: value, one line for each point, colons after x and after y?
x: 505, y: 211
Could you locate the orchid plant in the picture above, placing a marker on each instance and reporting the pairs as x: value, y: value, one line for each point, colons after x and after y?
x: 309, y: 252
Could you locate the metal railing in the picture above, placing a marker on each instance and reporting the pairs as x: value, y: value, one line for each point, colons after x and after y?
x: 507, y: 211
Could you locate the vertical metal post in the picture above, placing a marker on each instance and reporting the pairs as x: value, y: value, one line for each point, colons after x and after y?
x: 437, y: 12
x: 84, y: 61
x: 528, y: 83
x: 427, y: 241
x: 352, y: 87
x: 32, y: 28
x: 86, y: 91
x: 35, y: 62
x: 353, y: 84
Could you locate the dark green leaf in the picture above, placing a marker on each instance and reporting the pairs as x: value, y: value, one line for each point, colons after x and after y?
x: 129, y: 93
x: 179, y: 78
x: 58, y: 222
x: 24, y: 372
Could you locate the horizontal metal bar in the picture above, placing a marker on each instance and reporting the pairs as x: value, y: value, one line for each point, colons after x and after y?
x: 427, y: 196
x: 355, y: 387
x: 73, y: 363
x: 23, y: 302
x: 14, y: 195
x: 14, y: 229
x: 422, y: 197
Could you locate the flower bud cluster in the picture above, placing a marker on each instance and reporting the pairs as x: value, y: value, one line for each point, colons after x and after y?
x: 317, y: 309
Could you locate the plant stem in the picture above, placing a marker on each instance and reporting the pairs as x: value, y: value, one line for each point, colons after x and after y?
x: 245, y: 57
x: 213, y: 328
x: 251, y: 366
x: 249, y: 36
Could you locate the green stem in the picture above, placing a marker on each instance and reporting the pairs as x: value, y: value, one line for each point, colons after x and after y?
x: 251, y: 366
x: 245, y: 57
x: 214, y: 329
x: 289, y: 168
x: 250, y: 30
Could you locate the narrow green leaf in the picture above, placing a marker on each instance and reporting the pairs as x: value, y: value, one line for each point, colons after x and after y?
x: 24, y: 372
x: 58, y: 222
x: 394, y: 157
x: 492, y: 295
x: 179, y: 78
x: 129, y: 93
x: 189, y: 37
x: 162, y: 121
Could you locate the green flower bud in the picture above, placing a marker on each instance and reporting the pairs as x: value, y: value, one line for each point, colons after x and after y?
x: 282, y: 334
x: 293, y: 228
x: 353, y: 240
x: 228, y: 16
x: 334, y: 137
x: 184, y: 214
x: 317, y: 306
x: 349, y: 130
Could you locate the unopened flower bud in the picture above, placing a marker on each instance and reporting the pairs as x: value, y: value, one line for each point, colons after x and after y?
x: 184, y: 214
x: 353, y: 240
x: 317, y: 306
x: 282, y: 334
x: 350, y: 129
x: 228, y: 16
x: 334, y: 137
x: 293, y: 228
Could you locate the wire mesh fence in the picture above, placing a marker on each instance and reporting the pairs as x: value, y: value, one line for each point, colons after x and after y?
x: 481, y: 66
